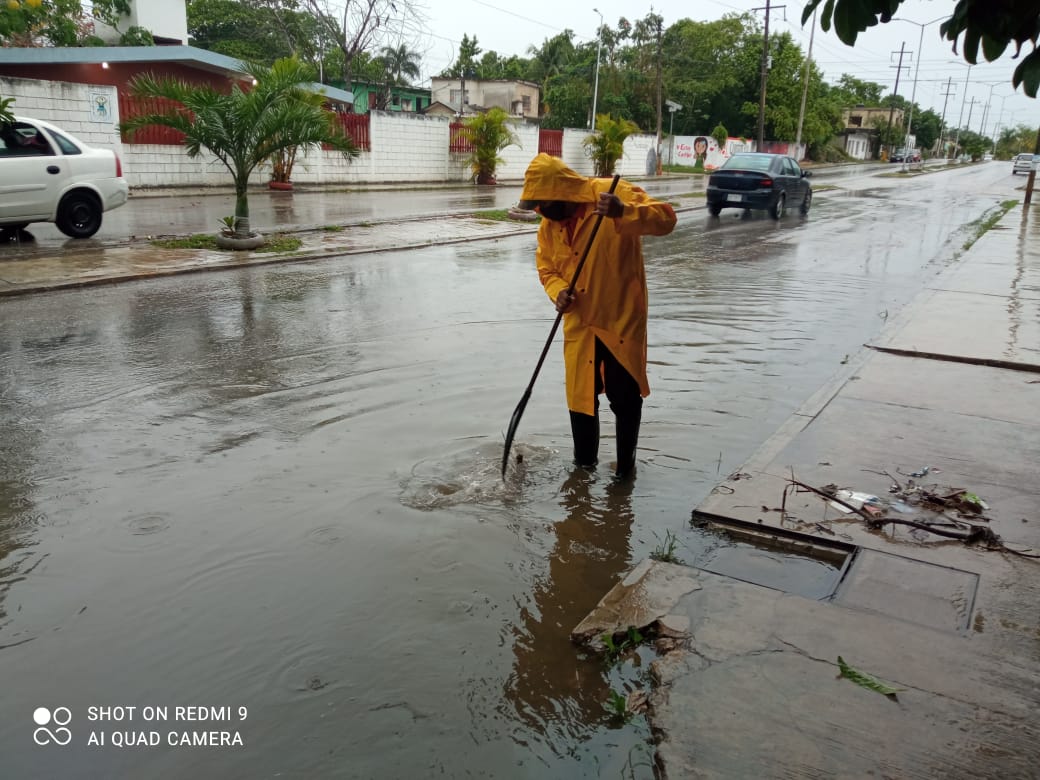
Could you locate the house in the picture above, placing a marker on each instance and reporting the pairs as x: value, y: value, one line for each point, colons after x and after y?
x: 115, y: 66
x: 865, y: 118
x: 517, y: 98
x: 367, y: 95
x: 436, y: 108
x: 166, y: 21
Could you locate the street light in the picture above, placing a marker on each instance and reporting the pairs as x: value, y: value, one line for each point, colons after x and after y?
x: 957, y: 135
x: 985, y: 111
x: 913, y: 92
x: 595, y: 88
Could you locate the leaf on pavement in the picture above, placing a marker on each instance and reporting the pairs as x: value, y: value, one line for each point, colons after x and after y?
x: 866, y: 681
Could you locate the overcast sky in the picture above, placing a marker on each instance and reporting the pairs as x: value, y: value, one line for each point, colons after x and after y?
x: 509, y: 28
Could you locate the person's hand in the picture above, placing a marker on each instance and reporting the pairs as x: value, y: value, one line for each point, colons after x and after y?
x: 609, y: 205
x: 564, y: 300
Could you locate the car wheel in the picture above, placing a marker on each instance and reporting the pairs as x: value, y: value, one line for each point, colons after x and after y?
x: 79, y: 215
x: 779, y: 207
x: 807, y: 202
x: 714, y: 210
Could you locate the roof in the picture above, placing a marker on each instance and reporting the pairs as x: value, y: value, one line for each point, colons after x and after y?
x: 201, y: 59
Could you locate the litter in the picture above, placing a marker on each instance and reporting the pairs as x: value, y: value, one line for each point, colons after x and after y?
x: 855, y: 500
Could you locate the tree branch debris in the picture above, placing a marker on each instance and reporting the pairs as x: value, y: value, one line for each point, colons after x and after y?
x: 875, y: 517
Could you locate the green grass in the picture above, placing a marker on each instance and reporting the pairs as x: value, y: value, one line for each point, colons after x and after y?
x: 277, y: 243
x: 333, y: 228
x: 682, y: 169
x: 280, y: 243
x: 987, y: 221
x: 198, y: 241
x: 492, y: 215
x: 665, y: 551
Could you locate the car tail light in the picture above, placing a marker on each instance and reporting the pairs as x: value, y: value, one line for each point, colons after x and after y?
x: 119, y: 167
x: 766, y: 183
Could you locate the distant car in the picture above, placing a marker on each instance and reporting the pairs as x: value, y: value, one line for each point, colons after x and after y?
x: 1024, y: 163
x: 766, y: 182
x: 47, y: 175
x: 987, y: 157
x: 901, y: 155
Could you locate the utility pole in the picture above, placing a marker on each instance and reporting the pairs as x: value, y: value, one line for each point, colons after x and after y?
x: 942, y: 124
x: 765, y: 73
x: 957, y: 135
x: 1032, y: 173
x: 595, y: 88
x: 660, y: 168
x: 895, y: 92
x: 805, y: 83
x: 971, y: 107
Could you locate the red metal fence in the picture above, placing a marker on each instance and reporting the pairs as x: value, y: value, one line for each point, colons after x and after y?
x: 550, y: 142
x: 354, y: 125
x: 357, y: 127
x: 153, y: 134
x: 457, y: 143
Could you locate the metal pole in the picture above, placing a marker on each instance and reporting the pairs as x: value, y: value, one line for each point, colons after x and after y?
x: 942, y: 124
x: 595, y: 88
x: 805, y: 85
x: 957, y: 135
x: 762, y: 88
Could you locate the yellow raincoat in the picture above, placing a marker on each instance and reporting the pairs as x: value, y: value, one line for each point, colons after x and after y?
x: 610, y: 296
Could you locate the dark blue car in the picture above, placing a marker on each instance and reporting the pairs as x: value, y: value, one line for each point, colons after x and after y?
x: 766, y: 182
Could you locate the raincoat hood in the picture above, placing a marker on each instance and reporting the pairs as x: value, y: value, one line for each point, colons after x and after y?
x: 547, y: 178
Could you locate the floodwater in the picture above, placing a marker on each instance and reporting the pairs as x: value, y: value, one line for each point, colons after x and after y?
x: 276, y: 490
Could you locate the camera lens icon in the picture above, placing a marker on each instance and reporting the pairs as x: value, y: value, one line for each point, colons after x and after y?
x: 60, y: 717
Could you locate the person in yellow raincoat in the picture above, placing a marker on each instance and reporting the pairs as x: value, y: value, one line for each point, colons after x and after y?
x: 604, y: 322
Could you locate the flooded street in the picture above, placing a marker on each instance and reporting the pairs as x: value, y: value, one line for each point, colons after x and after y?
x: 276, y: 490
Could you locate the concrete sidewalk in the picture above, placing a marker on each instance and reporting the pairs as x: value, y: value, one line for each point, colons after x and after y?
x: 748, y: 683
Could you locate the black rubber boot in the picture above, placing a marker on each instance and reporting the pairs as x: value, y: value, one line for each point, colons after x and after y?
x: 585, y: 430
x: 627, y: 435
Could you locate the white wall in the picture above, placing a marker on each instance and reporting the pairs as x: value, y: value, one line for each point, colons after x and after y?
x: 162, y: 18
x: 89, y: 112
x: 406, y: 148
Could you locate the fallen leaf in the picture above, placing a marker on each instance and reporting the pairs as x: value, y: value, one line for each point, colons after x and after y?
x: 866, y: 681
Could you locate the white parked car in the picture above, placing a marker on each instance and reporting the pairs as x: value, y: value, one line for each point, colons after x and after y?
x: 47, y: 175
x: 1024, y: 163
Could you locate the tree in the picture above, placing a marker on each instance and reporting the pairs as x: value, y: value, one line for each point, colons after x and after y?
x: 253, y: 31
x: 356, y: 26
x: 6, y: 112
x: 489, y: 133
x: 395, y: 62
x: 243, y: 129
x: 983, y: 23
x: 856, y: 92
x: 27, y: 23
x: 607, y: 145
x: 465, y: 65
x: 1015, y: 140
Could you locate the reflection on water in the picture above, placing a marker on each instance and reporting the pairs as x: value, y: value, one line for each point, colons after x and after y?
x: 279, y: 488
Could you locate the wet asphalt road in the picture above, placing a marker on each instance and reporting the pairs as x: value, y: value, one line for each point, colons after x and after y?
x: 149, y: 213
x: 277, y: 488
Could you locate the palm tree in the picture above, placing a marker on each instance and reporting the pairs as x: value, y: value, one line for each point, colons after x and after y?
x: 400, y: 61
x: 243, y: 128
x: 607, y: 145
x: 489, y: 133
x: 397, y: 62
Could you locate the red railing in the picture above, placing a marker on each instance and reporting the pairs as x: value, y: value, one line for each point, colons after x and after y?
x: 456, y: 141
x: 357, y: 127
x: 130, y: 106
x: 550, y: 142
